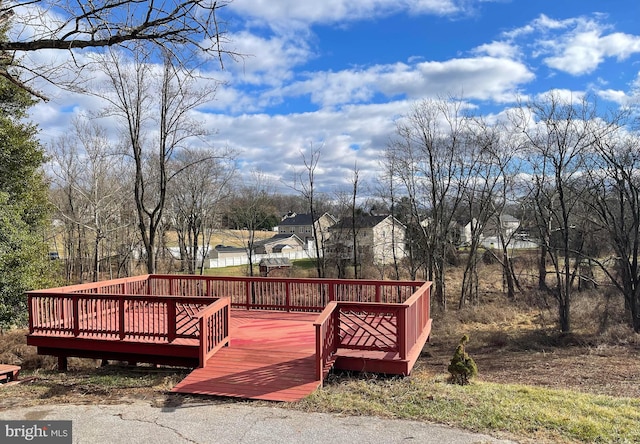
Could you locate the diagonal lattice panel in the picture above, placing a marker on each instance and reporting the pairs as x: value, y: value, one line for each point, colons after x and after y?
x: 187, y: 324
x: 369, y: 331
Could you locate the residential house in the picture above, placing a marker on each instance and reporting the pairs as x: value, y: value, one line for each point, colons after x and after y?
x: 302, y: 226
x: 505, y: 227
x: 492, y: 231
x: 280, y: 243
x: 226, y: 252
x: 377, y: 238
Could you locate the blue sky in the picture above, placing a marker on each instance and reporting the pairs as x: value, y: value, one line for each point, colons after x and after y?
x: 337, y: 74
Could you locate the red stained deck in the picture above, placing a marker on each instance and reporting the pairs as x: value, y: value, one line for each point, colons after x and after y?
x: 271, y: 357
x: 274, y: 345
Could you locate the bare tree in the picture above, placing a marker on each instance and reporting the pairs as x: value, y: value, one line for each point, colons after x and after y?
x: 388, y: 191
x: 195, y: 201
x: 179, y: 27
x: 252, y: 210
x: 561, y: 135
x: 154, y: 110
x: 305, y: 185
x: 84, y: 167
x: 353, y: 209
x: 479, y: 199
x: 429, y: 154
x: 614, y: 202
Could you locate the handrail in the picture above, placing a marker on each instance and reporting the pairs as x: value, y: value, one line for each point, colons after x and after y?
x: 288, y: 294
x: 327, y: 338
x: 112, y: 316
x: 215, y: 322
x: 416, y: 317
x: 79, y: 288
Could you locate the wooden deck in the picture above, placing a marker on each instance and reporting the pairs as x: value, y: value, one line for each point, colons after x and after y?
x: 271, y: 357
x: 259, y: 338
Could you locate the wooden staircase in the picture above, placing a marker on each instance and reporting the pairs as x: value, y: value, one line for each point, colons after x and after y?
x: 271, y: 357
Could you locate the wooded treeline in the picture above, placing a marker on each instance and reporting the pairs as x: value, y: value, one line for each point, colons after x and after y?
x: 565, y: 169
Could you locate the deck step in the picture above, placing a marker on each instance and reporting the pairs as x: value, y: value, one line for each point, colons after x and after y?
x: 254, y: 374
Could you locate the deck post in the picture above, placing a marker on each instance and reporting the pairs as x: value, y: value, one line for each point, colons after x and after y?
x: 227, y: 326
x: 62, y: 364
x: 76, y: 316
x: 171, y: 320
x: 204, y: 343
x: 248, y: 291
x: 121, y: 317
x: 378, y: 293
x: 336, y: 331
x: 319, y: 349
x: 402, y: 332
x: 31, y: 313
x: 288, y: 296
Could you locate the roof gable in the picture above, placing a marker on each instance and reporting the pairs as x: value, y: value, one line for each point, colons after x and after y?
x: 362, y: 221
x: 277, y: 239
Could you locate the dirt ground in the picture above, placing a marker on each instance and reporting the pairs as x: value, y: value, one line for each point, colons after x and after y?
x: 604, y: 370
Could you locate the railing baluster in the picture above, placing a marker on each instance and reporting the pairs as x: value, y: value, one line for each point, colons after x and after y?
x: 76, y: 317
x: 171, y: 320
x: 121, y: 314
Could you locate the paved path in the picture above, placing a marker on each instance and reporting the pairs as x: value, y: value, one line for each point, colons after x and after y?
x: 234, y: 424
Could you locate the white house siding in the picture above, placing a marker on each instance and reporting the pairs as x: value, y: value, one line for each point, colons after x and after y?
x: 384, y: 242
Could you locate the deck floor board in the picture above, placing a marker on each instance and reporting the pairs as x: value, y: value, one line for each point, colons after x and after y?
x: 271, y: 357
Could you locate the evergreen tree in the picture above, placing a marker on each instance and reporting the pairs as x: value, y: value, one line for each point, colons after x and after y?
x: 24, y: 208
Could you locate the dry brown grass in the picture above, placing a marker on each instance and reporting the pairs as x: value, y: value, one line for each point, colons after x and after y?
x: 519, y: 342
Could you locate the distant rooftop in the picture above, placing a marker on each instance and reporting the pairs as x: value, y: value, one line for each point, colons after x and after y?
x: 296, y: 219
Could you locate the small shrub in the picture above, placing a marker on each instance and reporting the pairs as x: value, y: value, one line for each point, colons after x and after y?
x: 462, y: 367
x: 489, y: 257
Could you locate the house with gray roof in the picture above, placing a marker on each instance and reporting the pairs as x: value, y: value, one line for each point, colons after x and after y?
x: 302, y: 226
x: 280, y: 243
x: 378, y: 238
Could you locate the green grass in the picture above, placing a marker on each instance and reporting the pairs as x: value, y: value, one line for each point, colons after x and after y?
x: 525, y: 412
x: 238, y: 270
x: 304, y: 264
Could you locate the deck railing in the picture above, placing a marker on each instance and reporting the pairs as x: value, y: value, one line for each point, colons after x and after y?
x: 417, y: 318
x: 327, y: 339
x: 116, y: 316
x: 214, y: 328
x: 368, y: 315
x: 287, y: 294
x: 371, y: 327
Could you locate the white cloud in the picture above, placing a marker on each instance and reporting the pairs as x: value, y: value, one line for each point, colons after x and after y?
x: 273, y: 13
x: 274, y: 143
x: 484, y: 78
x: 498, y: 49
x: 616, y: 96
x: 576, y: 46
x: 581, y: 52
x: 268, y: 60
x: 561, y: 95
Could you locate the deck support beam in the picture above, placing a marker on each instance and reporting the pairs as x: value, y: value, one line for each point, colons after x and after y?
x: 63, y: 364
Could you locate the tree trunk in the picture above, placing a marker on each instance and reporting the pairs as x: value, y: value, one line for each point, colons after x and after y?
x: 542, y: 268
